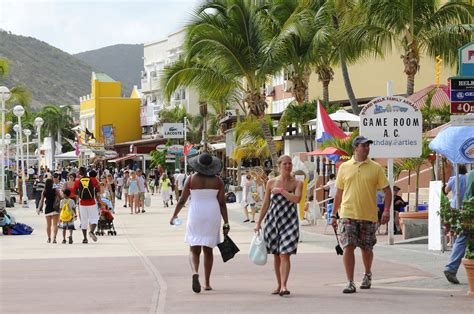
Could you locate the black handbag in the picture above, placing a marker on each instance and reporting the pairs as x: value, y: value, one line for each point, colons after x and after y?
x: 228, y: 248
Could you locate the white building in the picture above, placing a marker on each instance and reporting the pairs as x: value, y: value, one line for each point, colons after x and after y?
x: 157, y: 55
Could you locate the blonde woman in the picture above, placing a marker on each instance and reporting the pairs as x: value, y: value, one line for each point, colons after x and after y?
x: 281, y: 230
x: 133, y: 193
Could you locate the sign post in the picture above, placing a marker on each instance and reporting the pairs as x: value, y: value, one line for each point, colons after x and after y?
x: 394, y: 124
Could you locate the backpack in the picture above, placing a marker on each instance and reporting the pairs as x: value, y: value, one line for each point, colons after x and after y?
x: 230, y: 198
x: 65, y: 214
x: 85, y: 189
x: 21, y: 229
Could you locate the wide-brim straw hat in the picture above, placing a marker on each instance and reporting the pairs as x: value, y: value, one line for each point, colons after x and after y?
x: 206, y: 164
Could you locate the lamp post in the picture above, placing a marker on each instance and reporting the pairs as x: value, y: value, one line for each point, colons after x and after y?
x: 39, y: 123
x: 8, y: 140
x: 19, y: 112
x: 16, y: 127
x: 27, y: 132
x: 4, y: 96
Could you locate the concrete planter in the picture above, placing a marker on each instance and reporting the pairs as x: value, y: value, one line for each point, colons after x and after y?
x: 469, y: 266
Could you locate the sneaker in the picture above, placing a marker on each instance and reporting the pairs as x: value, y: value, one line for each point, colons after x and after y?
x: 70, y: 240
x: 451, y: 277
x: 64, y: 241
x: 93, y: 236
x: 350, y: 288
x: 124, y: 205
x: 85, y: 241
x: 366, y: 281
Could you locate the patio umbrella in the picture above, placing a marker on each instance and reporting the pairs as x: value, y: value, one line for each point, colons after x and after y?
x: 331, y: 152
x: 457, y: 144
x: 341, y: 116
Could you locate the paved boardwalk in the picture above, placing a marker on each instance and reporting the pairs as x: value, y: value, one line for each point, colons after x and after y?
x: 145, y: 268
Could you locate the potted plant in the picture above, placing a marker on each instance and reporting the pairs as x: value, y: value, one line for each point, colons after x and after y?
x: 461, y: 222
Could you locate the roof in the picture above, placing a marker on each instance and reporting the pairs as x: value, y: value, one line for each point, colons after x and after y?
x: 102, y: 77
x: 440, y: 97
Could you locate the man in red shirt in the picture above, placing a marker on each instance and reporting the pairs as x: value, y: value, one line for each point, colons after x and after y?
x: 87, y: 189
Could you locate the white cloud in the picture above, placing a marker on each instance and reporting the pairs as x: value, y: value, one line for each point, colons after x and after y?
x: 75, y: 25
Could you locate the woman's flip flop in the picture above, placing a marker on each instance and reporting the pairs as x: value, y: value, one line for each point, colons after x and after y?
x: 196, y: 284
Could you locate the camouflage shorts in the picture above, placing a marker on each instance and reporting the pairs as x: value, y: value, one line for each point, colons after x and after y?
x: 358, y: 233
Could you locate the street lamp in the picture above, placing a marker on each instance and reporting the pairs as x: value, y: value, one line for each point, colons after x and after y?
x: 8, y: 140
x: 19, y: 112
x: 39, y: 123
x: 4, y: 96
x: 16, y: 128
x: 27, y: 132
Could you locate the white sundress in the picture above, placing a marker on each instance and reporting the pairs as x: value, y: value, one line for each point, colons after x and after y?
x: 204, y: 219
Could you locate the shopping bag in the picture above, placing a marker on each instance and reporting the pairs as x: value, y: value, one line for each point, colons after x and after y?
x: 258, y: 250
x: 147, y: 200
x: 228, y: 248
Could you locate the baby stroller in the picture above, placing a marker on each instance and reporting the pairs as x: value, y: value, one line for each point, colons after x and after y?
x: 106, y: 218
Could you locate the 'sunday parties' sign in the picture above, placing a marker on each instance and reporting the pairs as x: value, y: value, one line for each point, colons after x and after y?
x: 395, y: 125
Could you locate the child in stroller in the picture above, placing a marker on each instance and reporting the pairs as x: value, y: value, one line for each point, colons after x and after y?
x: 106, y: 218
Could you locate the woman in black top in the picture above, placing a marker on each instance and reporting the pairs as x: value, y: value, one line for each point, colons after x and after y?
x: 51, y: 197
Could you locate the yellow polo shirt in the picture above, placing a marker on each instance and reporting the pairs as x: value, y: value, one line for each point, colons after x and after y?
x: 360, y: 182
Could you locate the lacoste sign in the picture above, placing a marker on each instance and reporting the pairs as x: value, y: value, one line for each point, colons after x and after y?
x: 173, y: 130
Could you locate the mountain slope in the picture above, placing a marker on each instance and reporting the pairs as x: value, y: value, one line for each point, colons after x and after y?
x: 51, y: 75
x: 121, y: 62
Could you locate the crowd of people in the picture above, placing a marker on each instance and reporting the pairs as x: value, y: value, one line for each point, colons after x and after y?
x: 353, y: 193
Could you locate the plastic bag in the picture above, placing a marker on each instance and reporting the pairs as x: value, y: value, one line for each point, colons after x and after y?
x: 258, y: 250
x: 147, y: 200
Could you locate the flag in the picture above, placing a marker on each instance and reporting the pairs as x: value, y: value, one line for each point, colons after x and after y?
x: 326, y: 128
x: 187, y: 148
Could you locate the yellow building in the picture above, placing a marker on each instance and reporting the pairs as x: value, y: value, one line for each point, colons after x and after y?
x: 109, y: 116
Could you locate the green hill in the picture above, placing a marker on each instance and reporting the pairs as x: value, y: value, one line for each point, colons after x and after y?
x: 122, y: 62
x: 51, y: 75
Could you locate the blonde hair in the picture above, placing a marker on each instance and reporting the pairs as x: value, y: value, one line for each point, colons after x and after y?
x: 280, y: 159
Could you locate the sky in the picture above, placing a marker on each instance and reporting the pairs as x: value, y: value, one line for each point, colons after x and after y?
x: 81, y: 25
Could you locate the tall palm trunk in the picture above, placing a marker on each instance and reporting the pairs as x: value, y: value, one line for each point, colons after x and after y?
x: 326, y: 91
x: 305, y: 138
x: 348, y: 85
x: 270, y: 143
x: 411, y: 61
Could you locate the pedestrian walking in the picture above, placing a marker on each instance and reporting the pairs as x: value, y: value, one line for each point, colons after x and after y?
x: 207, y: 206
x: 50, y: 197
x: 38, y: 188
x: 280, y: 216
x: 357, y: 183
x: 248, y: 200
x: 459, y: 246
x: 164, y: 188
x: 69, y: 185
x: 87, y: 188
x: 142, y: 188
x: 68, y: 215
x: 126, y: 186
x: 133, y: 193
x: 119, y: 183
x: 180, y: 179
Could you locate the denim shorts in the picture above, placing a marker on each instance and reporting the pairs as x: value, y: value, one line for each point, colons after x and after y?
x: 358, y: 233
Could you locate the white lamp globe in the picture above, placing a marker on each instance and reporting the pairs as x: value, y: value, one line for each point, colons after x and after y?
x: 5, y: 93
x: 18, y: 111
x: 16, y: 128
x: 27, y: 132
x: 39, y: 121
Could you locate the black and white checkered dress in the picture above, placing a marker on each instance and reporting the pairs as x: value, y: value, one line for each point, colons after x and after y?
x: 281, y: 231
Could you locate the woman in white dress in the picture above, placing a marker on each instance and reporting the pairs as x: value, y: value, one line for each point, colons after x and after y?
x: 207, y: 205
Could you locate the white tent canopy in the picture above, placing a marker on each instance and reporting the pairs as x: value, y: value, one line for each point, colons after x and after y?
x: 72, y: 155
x: 341, y: 116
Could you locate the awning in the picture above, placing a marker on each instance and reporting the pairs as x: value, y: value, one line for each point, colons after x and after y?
x: 326, y: 151
x: 126, y: 157
x: 218, y: 146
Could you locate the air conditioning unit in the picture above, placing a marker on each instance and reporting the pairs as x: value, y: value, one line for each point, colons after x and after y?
x: 269, y: 90
x: 287, y: 86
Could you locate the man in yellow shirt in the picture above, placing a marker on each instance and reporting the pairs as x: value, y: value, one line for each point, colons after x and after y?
x: 357, y: 183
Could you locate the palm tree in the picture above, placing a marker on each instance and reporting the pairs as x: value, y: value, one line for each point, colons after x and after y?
x: 4, y: 68
x: 418, y: 27
x: 414, y: 164
x: 226, y: 53
x: 298, y: 115
x: 57, y: 121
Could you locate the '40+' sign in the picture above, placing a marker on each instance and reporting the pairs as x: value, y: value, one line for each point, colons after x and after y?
x: 394, y: 124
